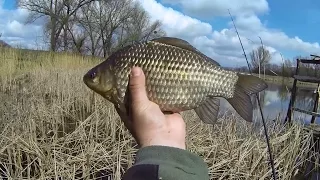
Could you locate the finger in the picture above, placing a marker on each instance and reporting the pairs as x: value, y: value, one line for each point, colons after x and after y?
x: 137, y: 86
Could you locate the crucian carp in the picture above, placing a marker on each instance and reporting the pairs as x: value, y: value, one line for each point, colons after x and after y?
x: 178, y: 77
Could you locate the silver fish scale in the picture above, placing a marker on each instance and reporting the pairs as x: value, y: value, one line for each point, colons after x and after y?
x: 176, y: 79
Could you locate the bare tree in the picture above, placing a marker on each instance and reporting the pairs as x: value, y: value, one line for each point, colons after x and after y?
x: 111, y: 24
x: 289, y: 67
x: 111, y: 20
x: 101, y: 21
x: 88, y: 23
x: 57, y: 13
x: 140, y: 28
x: 260, y: 55
x: 96, y: 27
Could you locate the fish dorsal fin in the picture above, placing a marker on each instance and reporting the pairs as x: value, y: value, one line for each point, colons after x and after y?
x: 212, y: 61
x: 182, y: 44
x: 175, y: 42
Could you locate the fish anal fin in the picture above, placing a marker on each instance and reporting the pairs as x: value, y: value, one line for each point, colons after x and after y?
x: 241, y: 102
x: 209, y: 110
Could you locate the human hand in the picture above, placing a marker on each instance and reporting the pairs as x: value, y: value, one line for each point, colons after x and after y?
x: 148, y: 124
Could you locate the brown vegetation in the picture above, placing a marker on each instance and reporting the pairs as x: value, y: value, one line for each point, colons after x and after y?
x: 53, y: 126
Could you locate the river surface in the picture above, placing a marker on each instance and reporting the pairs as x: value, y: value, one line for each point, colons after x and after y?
x: 275, y: 100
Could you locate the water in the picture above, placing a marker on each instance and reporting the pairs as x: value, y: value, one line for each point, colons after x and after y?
x: 275, y: 101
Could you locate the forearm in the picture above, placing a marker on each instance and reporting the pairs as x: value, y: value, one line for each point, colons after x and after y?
x: 161, y: 162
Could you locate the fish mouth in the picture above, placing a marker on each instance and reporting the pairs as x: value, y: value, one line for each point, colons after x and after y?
x: 95, y: 81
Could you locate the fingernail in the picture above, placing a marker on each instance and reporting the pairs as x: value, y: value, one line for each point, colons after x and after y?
x: 135, y: 71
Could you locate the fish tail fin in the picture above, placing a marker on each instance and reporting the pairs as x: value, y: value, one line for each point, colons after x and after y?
x: 245, y: 86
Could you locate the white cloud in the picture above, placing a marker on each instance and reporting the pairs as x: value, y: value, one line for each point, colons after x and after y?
x: 210, y: 8
x: 14, y: 30
x: 175, y: 23
x: 270, y: 97
x: 224, y: 45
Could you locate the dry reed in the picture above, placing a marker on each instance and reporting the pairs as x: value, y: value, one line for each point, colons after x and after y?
x: 53, y: 126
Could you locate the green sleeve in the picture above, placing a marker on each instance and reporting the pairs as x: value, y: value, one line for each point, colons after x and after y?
x: 173, y: 163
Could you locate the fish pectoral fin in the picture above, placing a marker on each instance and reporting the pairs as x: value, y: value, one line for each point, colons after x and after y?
x: 124, y: 117
x: 127, y: 100
x: 208, y: 111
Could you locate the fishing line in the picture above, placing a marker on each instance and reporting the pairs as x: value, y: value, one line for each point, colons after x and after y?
x: 262, y: 117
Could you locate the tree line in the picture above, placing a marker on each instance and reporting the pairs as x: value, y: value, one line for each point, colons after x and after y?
x: 92, y: 27
x: 286, y: 69
x: 99, y: 27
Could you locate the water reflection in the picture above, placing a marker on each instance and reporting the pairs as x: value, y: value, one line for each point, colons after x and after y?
x: 275, y: 100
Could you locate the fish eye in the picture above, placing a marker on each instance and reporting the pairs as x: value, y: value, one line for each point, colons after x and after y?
x: 93, y: 75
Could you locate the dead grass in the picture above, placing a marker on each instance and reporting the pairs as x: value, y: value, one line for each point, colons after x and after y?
x: 53, y: 126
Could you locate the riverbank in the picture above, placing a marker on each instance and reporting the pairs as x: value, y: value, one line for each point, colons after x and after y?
x: 288, y: 81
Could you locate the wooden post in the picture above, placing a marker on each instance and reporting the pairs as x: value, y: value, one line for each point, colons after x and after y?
x: 293, y: 94
x: 316, y: 104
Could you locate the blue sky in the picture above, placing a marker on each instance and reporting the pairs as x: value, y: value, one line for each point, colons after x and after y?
x: 287, y: 27
x: 9, y: 4
x: 296, y: 18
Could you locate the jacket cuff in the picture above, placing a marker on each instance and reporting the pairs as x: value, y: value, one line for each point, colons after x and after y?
x: 173, y: 160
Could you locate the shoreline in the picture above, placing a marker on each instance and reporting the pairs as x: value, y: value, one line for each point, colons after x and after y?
x: 286, y: 81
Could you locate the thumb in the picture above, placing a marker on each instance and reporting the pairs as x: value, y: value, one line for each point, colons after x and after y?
x: 137, y: 86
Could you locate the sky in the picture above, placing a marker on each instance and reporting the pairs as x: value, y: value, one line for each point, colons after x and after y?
x: 287, y: 28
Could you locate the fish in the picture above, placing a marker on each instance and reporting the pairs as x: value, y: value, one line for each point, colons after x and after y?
x: 178, y: 78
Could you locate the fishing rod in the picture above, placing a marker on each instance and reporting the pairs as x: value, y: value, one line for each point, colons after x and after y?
x: 258, y: 100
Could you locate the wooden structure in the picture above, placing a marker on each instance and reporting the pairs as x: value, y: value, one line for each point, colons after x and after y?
x: 311, y: 170
x: 297, y: 77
